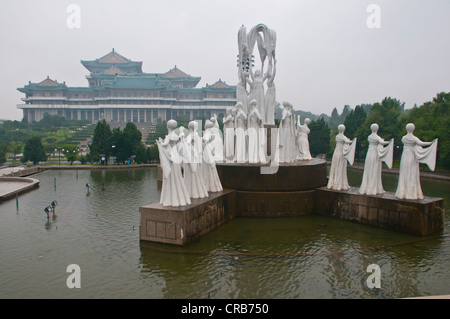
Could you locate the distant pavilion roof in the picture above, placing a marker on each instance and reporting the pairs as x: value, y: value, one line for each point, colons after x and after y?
x: 112, y: 61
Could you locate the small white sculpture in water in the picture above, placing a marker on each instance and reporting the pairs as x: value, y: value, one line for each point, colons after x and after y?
x: 303, y: 152
x: 193, y: 174
x: 173, y: 192
x: 413, y: 153
x: 377, y: 153
x: 344, y: 151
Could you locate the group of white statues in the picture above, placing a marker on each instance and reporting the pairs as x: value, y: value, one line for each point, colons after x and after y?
x: 245, y: 138
x: 382, y: 151
x: 265, y: 38
x: 188, y: 163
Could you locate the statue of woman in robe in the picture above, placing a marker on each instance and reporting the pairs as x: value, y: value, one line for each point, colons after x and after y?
x: 210, y: 175
x: 270, y: 97
x: 193, y: 174
x: 413, y: 153
x: 218, y: 141
x: 255, y: 133
x: 228, y: 128
x: 377, y: 153
x: 173, y: 192
x: 344, y: 151
x: 303, y: 152
x: 240, y: 121
x: 285, y: 151
x: 257, y: 91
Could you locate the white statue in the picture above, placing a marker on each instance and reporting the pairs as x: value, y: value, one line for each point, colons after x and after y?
x: 228, y: 128
x: 413, y: 154
x: 240, y: 125
x: 376, y: 154
x: 241, y: 90
x: 303, y: 152
x: 193, y: 174
x: 270, y: 97
x: 344, y: 151
x: 257, y: 92
x: 218, y: 141
x: 255, y: 131
x: 210, y: 175
x: 286, y: 136
x: 174, y: 192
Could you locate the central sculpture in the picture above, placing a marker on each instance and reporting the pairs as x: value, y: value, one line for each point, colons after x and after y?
x: 266, y: 39
x: 255, y: 169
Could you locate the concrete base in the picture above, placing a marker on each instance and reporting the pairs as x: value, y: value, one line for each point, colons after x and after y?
x: 181, y: 225
x: 274, y: 204
x: 417, y: 217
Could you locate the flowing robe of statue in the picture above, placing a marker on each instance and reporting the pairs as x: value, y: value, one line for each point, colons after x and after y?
x: 193, y: 174
x: 286, y: 150
x: 241, y: 133
x: 344, y: 151
x: 303, y: 152
x: 270, y: 98
x: 255, y: 131
x: 217, y: 141
x: 413, y: 153
x: 173, y: 192
x: 376, y: 154
x: 241, y: 93
x: 211, y: 177
x: 228, y: 128
x: 257, y: 93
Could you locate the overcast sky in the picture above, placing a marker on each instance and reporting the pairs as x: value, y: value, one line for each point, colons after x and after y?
x: 327, y: 56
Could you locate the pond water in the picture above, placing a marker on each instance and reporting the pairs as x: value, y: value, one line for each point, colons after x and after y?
x: 301, y: 257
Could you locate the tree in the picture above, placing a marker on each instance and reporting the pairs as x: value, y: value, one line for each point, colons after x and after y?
x: 432, y: 121
x: 101, y: 141
x: 2, y: 154
x: 319, y: 137
x: 71, y: 153
x: 352, y: 123
x: 128, y: 143
x: 34, y: 151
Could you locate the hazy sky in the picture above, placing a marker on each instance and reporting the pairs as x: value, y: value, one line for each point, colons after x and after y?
x: 327, y: 56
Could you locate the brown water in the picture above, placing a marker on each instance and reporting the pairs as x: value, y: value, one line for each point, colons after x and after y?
x: 302, y: 257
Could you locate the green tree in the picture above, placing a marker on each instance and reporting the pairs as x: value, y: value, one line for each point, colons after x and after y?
x: 2, y: 154
x: 319, y: 137
x: 71, y: 153
x: 128, y: 143
x: 101, y: 141
x: 34, y: 151
x: 352, y: 123
x: 432, y: 121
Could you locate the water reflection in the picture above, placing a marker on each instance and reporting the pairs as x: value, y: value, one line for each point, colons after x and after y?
x: 307, y: 257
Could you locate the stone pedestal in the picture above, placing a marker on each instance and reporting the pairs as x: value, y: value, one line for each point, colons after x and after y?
x: 416, y: 217
x: 181, y: 225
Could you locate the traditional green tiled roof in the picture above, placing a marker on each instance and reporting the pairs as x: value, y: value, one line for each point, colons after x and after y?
x: 112, y: 59
x: 45, y: 85
x: 134, y: 82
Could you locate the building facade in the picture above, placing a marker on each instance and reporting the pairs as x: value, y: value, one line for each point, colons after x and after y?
x: 119, y: 91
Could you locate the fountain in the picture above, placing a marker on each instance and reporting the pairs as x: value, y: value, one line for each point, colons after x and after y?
x: 265, y: 171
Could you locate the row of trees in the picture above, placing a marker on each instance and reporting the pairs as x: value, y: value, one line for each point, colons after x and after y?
x: 124, y: 145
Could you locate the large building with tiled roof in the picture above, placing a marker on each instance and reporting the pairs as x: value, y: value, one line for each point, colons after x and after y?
x: 119, y: 91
